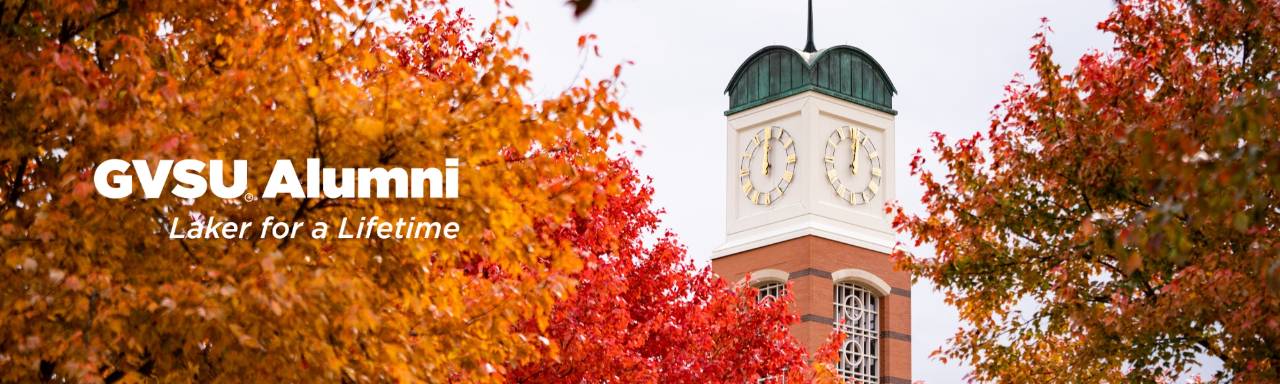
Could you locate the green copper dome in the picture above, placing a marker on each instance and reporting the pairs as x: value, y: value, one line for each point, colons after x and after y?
x: 842, y: 71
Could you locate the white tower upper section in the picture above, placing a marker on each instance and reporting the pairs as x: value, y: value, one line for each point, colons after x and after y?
x: 810, y: 150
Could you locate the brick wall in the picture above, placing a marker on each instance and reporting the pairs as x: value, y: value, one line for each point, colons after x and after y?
x: 810, y: 260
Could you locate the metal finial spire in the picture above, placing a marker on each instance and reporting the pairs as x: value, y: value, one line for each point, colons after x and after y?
x: 808, y: 45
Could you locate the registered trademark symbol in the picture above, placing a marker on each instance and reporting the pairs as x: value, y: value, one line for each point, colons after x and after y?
x: 249, y: 198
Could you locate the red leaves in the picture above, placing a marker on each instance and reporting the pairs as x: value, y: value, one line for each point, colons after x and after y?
x: 643, y: 313
x: 436, y: 46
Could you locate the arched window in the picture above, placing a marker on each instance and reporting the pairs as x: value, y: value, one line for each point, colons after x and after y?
x: 770, y: 283
x: 770, y: 290
x: 858, y: 317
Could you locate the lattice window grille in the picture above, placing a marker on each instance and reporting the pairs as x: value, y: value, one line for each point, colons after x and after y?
x: 858, y: 317
x: 771, y: 290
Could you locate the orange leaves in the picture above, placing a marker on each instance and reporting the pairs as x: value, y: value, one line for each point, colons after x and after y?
x: 287, y: 80
x: 588, y: 40
x: 583, y: 39
x: 1130, y: 262
x: 398, y: 13
x: 1122, y: 199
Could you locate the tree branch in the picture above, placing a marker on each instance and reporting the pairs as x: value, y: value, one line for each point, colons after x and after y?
x: 15, y: 186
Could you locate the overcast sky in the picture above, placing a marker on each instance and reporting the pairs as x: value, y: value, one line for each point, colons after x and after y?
x: 949, y: 61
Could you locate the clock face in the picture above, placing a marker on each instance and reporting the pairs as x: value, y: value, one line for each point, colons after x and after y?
x: 767, y: 165
x: 853, y: 165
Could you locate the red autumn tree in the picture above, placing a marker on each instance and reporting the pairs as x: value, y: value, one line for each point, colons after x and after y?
x: 1134, y: 200
x: 642, y: 313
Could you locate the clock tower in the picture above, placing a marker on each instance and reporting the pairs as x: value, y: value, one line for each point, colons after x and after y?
x: 810, y: 165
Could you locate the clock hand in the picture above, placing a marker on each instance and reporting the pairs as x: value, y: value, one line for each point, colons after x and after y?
x: 764, y: 164
x: 857, y: 136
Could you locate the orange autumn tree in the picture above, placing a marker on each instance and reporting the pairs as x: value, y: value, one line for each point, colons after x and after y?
x: 94, y: 291
x: 1119, y: 222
